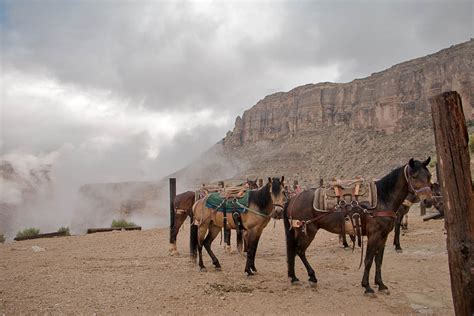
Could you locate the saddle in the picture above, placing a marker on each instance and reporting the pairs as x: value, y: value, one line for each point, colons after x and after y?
x: 205, y: 190
x: 340, y: 192
x: 233, y: 192
x: 228, y: 203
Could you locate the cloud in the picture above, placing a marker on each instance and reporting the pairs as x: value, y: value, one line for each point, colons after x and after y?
x: 121, y: 91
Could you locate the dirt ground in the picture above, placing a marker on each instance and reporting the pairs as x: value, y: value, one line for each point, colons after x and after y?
x: 131, y: 272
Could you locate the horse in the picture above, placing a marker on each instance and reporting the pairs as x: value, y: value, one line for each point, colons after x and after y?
x: 262, y: 205
x: 375, y: 223
x: 183, y: 208
x: 402, y: 213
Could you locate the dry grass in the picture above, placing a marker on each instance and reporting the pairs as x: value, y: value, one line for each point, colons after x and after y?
x: 28, y: 232
x: 121, y: 223
x: 64, y: 229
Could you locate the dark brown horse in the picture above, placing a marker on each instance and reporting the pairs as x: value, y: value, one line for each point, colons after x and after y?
x: 183, y: 208
x: 402, y: 213
x: 208, y: 222
x: 376, y: 223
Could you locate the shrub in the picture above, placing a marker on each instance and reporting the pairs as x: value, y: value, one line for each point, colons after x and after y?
x: 28, y: 232
x: 64, y: 229
x: 121, y: 223
x: 2, y: 238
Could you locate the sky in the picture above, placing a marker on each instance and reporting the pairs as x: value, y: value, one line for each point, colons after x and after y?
x: 110, y: 91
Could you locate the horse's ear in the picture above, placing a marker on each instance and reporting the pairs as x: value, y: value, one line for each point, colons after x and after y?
x: 282, y: 179
x: 427, y: 161
x: 411, y: 163
x: 269, y: 180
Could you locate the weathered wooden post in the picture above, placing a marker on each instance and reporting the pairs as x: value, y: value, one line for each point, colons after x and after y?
x: 172, y: 196
x: 454, y: 167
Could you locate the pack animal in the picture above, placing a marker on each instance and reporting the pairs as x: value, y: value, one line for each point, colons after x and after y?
x: 208, y: 222
x: 183, y: 208
x: 375, y: 223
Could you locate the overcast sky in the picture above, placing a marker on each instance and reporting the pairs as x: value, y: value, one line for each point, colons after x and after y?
x: 133, y: 90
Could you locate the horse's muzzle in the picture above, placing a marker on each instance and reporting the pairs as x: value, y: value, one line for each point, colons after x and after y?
x: 277, y: 212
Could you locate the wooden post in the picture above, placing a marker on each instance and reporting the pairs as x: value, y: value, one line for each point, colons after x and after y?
x: 454, y: 166
x: 172, y: 196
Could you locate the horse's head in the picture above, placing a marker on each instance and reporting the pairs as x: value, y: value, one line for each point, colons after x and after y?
x: 252, y: 184
x: 419, y: 180
x: 277, y: 192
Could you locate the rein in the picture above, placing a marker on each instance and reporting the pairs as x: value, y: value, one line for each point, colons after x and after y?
x: 265, y: 215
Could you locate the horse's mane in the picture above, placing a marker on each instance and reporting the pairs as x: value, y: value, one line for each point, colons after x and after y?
x: 387, y: 183
x: 261, y: 197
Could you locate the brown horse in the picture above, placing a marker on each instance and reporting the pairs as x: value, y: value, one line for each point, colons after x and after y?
x: 402, y: 213
x: 376, y: 223
x: 183, y: 208
x: 263, y: 203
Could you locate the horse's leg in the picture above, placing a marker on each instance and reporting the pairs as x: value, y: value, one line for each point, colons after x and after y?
x: 257, y: 239
x: 291, y: 242
x: 405, y: 222
x: 378, y: 267
x: 369, y: 258
x: 227, y: 236
x: 343, y: 234
x: 251, y: 240
x: 201, y: 233
x: 302, y: 245
x: 396, y: 237
x: 246, y: 243
x: 213, y: 232
x: 178, y: 221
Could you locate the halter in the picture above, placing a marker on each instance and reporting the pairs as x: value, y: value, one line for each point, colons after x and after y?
x: 406, y: 172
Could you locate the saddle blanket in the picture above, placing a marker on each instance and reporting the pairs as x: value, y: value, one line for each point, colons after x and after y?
x: 363, y: 191
x: 219, y: 203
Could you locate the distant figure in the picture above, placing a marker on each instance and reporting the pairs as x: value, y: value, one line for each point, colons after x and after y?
x: 296, y: 187
x: 260, y: 183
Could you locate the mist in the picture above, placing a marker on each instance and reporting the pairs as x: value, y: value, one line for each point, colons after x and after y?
x: 131, y: 92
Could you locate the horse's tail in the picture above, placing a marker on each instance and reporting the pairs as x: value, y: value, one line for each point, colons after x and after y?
x: 239, y: 241
x: 193, y: 237
x: 193, y: 242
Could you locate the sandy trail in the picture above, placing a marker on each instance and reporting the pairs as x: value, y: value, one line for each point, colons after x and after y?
x: 131, y: 272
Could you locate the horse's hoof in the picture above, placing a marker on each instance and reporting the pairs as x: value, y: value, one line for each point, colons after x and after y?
x: 218, y: 268
x: 399, y: 250
x: 295, y: 282
x: 385, y: 291
x: 249, y: 273
x: 347, y: 248
x: 174, y: 253
x: 203, y: 269
x: 313, y: 284
x: 370, y: 294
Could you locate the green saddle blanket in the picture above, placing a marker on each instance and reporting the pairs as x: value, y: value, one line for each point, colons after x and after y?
x: 217, y: 202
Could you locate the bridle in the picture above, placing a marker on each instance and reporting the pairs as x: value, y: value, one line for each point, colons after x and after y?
x: 406, y: 172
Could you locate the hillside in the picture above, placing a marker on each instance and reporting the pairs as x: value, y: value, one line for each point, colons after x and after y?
x: 364, y: 127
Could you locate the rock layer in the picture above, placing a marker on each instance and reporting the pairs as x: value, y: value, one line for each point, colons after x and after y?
x: 388, y: 101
